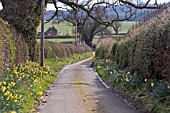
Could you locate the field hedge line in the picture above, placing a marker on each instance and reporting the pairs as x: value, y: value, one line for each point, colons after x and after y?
x: 145, y: 49
x: 55, y: 49
x: 13, y: 50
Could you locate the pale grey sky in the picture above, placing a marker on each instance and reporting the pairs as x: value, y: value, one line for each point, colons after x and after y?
x: 0, y: 6
x: 51, y: 6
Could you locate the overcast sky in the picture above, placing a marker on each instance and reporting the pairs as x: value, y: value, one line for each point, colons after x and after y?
x: 51, y: 6
x: 0, y: 6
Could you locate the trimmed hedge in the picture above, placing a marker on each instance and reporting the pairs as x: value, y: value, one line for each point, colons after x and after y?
x: 13, y: 50
x: 145, y: 50
x: 54, y: 49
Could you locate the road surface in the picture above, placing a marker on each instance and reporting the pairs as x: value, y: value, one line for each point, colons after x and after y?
x: 78, y: 89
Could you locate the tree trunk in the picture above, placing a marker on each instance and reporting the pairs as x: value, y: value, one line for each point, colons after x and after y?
x: 25, y: 17
x: 88, y: 40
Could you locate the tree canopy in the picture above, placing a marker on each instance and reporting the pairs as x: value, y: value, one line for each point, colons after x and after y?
x: 25, y: 14
x: 25, y: 17
x: 129, y: 7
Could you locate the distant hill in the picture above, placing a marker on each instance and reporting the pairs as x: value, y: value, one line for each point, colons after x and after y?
x: 50, y: 13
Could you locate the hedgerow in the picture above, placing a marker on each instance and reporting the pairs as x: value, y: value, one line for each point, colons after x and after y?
x: 153, y: 95
x: 13, y: 50
x: 54, y: 49
x: 145, y: 50
x: 138, y: 64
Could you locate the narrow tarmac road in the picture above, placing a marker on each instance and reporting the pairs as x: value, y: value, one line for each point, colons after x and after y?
x: 78, y: 90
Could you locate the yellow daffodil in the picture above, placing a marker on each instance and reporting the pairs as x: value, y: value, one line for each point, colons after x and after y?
x: 8, y: 98
x: 10, y: 95
x: 0, y: 83
x: 40, y: 93
x: 114, y: 71
x: 111, y: 72
x: 30, y: 94
x: 16, y: 97
x: 47, y: 67
x: 145, y: 80
x: 168, y: 87
x: 15, y: 101
x: 15, y: 72
x: 128, y: 73
x: 152, y: 84
x: 127, y: 80
x: 42, y: 97
x: 35, y: 81
x: 33, y: 110
x: 8, y: 87
x: 107, y: 67
x: 4, y: 83
x: 20, y: 96
x: 46, y: 73
x: 3, y: 88
x: 12, y: 83
x: 7, y: 93
x: 23, y: 76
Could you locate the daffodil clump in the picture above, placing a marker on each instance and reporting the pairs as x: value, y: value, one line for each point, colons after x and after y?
x: 152, y: 93
x: 18, y: 83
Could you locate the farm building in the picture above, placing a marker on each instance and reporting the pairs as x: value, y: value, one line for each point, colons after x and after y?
x: 52, y: 31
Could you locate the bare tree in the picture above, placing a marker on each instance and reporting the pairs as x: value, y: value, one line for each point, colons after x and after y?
x: 116, y: 26
x: 130, y: 7
x: 87, y: 27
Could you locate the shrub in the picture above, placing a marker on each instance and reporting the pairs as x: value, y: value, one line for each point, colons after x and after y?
x: 145, y: 50
x: 13, y: 50
x: 54, y: 49
x: 104, y: 47
x: 152, y: 94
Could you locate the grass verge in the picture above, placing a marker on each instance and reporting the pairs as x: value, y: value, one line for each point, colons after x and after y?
x: 23, y: 85
x: 55, y: 65
x: 148, y: 95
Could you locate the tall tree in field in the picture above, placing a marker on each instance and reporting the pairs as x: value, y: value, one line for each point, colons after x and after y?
x: 91, y: 17
x: 128, y: 7
x: 25, y: 14
x: 87, y: 27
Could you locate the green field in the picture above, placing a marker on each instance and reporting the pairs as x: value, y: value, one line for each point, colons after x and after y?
x: 125, y: 27
x: 65, y: 28
x: 59, y: 40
